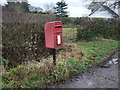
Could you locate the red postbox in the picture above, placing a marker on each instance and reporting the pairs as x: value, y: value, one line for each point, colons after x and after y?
x: 53, y: 34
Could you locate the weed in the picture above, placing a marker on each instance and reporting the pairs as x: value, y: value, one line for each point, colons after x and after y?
x: 5, y: 62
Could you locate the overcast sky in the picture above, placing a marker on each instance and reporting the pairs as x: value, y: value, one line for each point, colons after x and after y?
x: 76, y: 8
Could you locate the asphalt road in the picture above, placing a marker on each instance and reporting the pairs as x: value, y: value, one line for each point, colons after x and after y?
x: 105, y: 76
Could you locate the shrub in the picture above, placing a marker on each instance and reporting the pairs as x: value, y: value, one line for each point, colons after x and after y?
x: 89, y: 29
x: 23, y: 36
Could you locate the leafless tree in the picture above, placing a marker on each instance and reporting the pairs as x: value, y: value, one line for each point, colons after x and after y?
x: 49, y: 7
x: 111, y: 7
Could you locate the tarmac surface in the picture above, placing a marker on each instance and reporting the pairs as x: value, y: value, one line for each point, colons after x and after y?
x: 105, y: 76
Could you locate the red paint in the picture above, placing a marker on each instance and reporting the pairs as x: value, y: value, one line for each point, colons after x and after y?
x: 53, y: 32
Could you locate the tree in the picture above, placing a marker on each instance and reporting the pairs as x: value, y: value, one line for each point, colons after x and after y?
x: 105, y: 6
x: 60, y: 9
x: 49, y: 7
x: 18, y: 6
x: 25, y: 6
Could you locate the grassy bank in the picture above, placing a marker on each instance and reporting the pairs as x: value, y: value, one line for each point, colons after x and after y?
x: 73, y: 58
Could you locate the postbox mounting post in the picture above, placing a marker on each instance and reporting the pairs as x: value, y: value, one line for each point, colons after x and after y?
x: 54, y: 56
x: 53, y: 37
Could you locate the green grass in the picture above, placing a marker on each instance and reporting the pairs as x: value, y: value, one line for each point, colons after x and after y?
x: 74, y: 58
x: 69, y: 34
x: 96, y: 51
x: 0, y: 82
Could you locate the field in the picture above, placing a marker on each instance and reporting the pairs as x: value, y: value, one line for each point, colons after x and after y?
x: 75, y: 57
x: 69, y: 34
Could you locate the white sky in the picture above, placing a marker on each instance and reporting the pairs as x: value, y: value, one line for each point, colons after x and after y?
x: 76, y: 8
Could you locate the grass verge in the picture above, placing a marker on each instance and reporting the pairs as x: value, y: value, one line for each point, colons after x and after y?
x: 74, y: 58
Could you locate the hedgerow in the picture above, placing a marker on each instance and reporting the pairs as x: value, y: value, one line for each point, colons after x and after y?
x: 23, y: 36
